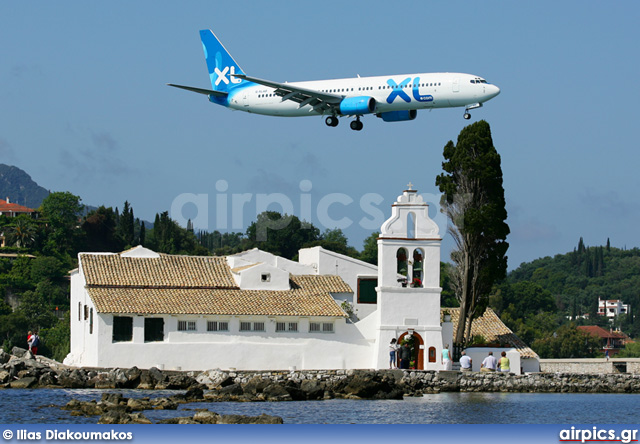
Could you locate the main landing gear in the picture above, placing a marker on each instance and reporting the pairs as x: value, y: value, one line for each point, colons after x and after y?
x: 332, y: 121
x: 355, y: 125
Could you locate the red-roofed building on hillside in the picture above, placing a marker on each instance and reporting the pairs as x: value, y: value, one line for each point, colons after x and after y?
x: 611, y: 341
x: 9, y: 209
x: 12, y: 210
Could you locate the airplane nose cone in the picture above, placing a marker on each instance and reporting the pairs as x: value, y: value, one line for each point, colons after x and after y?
x: 493, y: 91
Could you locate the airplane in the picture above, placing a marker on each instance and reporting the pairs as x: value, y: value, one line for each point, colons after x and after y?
x: 392, y: 98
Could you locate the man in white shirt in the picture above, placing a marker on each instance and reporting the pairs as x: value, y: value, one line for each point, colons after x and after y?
x: 465, y: 362
x: 489, y: 364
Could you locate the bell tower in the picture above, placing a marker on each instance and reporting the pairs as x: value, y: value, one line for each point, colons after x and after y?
x: 409, y: 279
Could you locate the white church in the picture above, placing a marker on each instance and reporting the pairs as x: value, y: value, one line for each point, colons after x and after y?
x: 258, y: 311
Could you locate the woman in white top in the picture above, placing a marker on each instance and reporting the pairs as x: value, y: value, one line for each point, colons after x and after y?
x: 446, y: 358
x: 393, y: 348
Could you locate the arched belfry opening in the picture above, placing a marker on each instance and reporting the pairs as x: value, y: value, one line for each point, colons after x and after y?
x: 418, y: 268
x: 402, y: 261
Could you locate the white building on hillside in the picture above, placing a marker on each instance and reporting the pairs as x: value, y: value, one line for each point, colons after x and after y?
x: 612, y: 307
x: 258, y: 311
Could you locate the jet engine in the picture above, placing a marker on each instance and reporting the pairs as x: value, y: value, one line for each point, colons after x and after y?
x: 356, y: 106
x: 398, y: 116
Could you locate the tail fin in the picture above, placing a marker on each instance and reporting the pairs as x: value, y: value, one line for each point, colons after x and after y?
x: 220, y: 64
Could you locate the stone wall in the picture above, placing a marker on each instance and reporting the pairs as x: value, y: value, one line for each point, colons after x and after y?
x: 417, y: 382
x: 591, y: 366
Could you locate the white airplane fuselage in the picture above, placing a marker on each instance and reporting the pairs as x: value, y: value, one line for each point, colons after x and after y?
x: 424, y: 91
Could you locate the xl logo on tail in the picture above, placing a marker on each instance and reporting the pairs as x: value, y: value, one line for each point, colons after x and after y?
x: 222, y: 75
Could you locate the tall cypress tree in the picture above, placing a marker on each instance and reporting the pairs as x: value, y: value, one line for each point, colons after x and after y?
x: 474, y: 202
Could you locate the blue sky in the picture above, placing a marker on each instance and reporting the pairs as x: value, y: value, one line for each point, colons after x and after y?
x: 84, y: 108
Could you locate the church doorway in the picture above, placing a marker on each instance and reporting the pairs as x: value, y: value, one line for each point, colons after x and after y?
x: 417, y: 346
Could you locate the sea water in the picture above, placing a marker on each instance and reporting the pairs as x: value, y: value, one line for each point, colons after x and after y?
x: 19, y: 406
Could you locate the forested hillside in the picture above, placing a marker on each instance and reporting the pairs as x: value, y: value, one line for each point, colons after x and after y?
x: 540, y: 297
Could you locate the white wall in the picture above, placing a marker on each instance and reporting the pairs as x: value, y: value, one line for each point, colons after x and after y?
x: 202, y: 350
x: 327, y: 262
x: 83, y: 345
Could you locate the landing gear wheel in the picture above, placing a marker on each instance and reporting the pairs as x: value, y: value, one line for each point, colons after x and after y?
x: 356, y: 125
x: 467, y: 116
x: 332, y: 121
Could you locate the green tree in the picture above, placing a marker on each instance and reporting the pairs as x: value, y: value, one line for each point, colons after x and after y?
x: 125, y: 227
x: 567, y: 342
x: 22, y: 231
x: 62, y: 211
x: 334, y: 240
x: 370, y: 250
x: 279, y: 234
x: 474, y: 202
x: 99, y: 227
x: 56, y: 340
x: 630, y: 350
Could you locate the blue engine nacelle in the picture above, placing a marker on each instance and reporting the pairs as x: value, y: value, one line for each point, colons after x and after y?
x: 398, y: 116
x: 356, y: 106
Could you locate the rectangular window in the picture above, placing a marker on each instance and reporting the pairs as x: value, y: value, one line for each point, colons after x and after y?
x: 286, y: 326
x: 217, y: 326
x: 79, y: 311
x: 86, y: 312
x: 91, y: 321
x: 122, y: 329
x: 367, y: 293
x: 186, y: 325
x: 251, y: 326
x: 245, y: 326
x: 153, y: 329
x: 321, y: 327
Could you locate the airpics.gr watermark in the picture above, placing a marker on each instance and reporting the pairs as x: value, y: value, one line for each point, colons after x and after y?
x: 575, y: 434
x: 65, y: 435
x: 231, y: 208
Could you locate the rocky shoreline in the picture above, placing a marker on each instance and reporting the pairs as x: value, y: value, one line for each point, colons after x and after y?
x: 21, y: 369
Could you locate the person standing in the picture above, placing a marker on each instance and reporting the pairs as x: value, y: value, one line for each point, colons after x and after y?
x: 393, y: 348
x: 446, y: 358
x: 465, y: 362
x: 405, y: 356
x: 489, y: 364
x: 504, y: 363
x: 33, y: 341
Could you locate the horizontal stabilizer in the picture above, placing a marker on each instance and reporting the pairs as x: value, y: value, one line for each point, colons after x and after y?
x: 208, y: 92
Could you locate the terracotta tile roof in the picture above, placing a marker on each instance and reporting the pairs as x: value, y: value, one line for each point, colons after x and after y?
x: 13, y: 208
x: 601, y: 332
x: 320, y: 284
x: 492, y: 329
x: 113, y: 270
x: 213, y: 302
x: 199, y: 285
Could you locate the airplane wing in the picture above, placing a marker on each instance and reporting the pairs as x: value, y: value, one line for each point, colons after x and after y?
x: 208, y: 92
x: 318, y: 100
